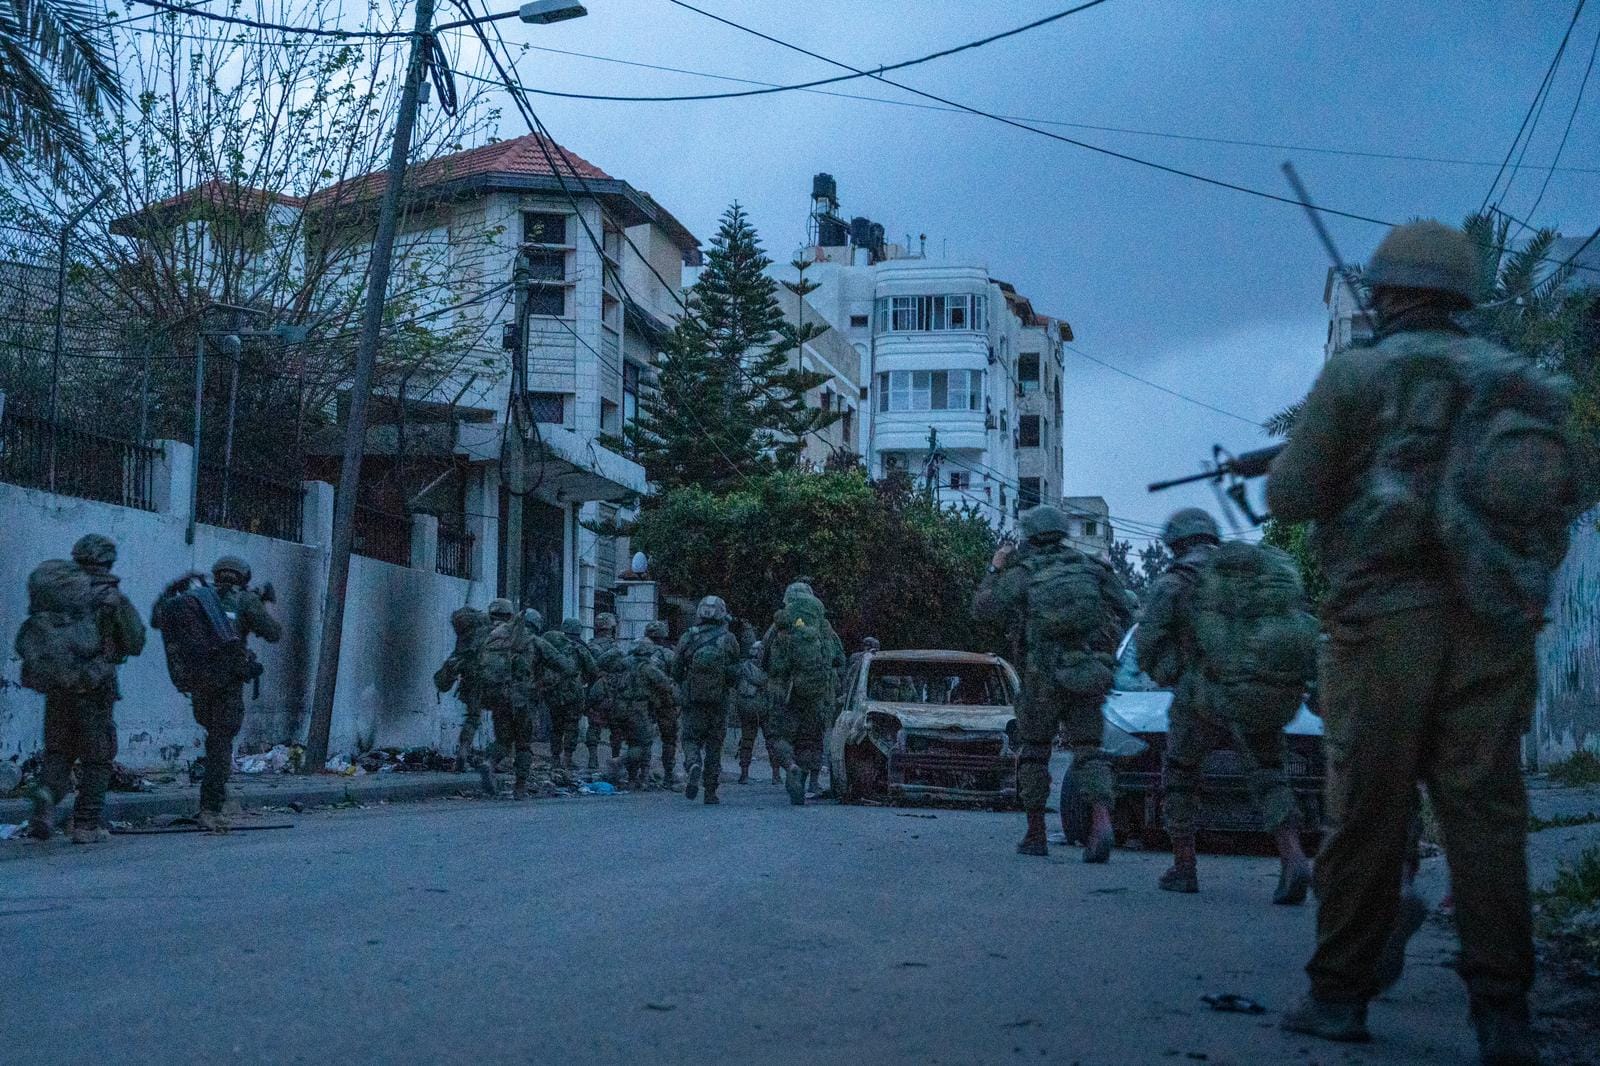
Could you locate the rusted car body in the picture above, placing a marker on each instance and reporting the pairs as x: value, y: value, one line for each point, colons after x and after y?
x: 933, y: 725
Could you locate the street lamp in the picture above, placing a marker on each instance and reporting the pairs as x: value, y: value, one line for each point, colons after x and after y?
x: 544, y: 12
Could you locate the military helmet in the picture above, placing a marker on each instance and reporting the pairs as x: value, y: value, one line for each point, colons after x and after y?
x: 501, y: 609
x: 231, y: 569
x: 1427, y: 255
x: 712, y: 609
x: 656, y: 630
x: 798, y: 588
x: 94, y: 549
x: 872, y: 644
x: 533, y: 619
x: 572, y: 627
x: 1187, y: 523
x: 605, y: 622
x: 756, y: 649
x: 1044, y: 522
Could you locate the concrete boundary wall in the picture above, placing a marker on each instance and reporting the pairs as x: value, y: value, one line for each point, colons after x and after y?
x: 1568, y: 712
x: 396, y: 629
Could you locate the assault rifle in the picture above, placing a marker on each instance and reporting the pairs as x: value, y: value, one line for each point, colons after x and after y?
x: 1235, y: 470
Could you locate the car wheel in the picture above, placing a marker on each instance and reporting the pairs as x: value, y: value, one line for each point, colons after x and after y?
x: 1074, y: 811
x: 863, y: 775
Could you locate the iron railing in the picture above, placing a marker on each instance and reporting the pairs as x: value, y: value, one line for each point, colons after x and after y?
x: 77, y: 463
x: 383, y: 536
x: 250, y: 503
x: 455, y: 552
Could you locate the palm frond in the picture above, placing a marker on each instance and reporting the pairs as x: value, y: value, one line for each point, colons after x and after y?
x: 1282, y: 423
x: 52, y: 71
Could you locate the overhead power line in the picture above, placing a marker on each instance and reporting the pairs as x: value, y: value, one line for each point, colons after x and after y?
x: 1571, y: 117
x: 1534, y: 106
x: 1155, y: 385
x: 257, y: 24
x: 1177, y: 171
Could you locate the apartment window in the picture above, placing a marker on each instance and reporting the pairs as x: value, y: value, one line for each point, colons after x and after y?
x: 930, y: 390
x: 960, y: 480
x: 543, y: 227
x: 908, y: 314
x: 608, y: 417
x: 1028, y: 431
x: 827, y: 400
x: 1028, y: 372
x: 1028, y: 492
x: 547, y: 264
x: 858, y: 321
x: 630, y: 393
x: 548, y: 407
x: 1091, y: 528
x: 849, y: 418
x: 548, y: 300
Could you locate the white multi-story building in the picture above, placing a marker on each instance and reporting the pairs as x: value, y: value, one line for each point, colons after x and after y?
x: 1348, y: 324
x: 940, y: 344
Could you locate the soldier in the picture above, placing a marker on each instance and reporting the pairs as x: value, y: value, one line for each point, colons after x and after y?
x: 1442, y: 482
x: 706, y: 668
x: 804, y: 659
x: 648, y: 697
x: 460, y: 670
x: 1066, y: 614
x: 868, y: 646
x: 219, y: 708
x: 665, y: 712
x: 601, y: 706
x: 566, y: 692
x: 1202, y: 719
x: 78, y: 722
x: 511, y: 666
x: 752, y: 703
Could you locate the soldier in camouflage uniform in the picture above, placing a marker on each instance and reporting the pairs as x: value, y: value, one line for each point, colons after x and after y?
x: 804, y: 661
x: 566, y: 694
x: 471, y: 627
x: 78, y: 726
x: 752, y: 704
x: 1169, y: 652
x: 1065, y: 613
x: 601, y: 704
x: 665, y: 713
x: 648, y: 696
x: 706, y: 668
x: 514, y: 662
x: 1438, y: 535
x: 220, y: 711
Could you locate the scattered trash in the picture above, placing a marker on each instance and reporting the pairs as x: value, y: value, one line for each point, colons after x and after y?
x: 125, y: 780
x: 276, y: 761
x: 297, y: 807
x: 661, y: 1006
x: 599, y: 788
x: 197, y: 770
x: 339, y: 764
x: 1232, y: 1003
x: 8, y: 832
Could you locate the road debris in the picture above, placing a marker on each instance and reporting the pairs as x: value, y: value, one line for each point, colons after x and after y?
x: 1232, y: 1003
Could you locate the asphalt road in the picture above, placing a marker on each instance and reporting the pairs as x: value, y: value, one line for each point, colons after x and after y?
x: 645, y: 929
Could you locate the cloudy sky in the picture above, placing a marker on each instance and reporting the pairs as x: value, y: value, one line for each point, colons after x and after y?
x: 1207, y: 291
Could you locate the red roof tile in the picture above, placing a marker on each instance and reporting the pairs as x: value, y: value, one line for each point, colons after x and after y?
x: 519, y: 155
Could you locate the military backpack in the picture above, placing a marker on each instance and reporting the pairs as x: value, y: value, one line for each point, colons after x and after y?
x: 59, y: 642
x: 705, y: 676
x: 205, y: 651
x: 802, y: 652
x: 1257, y: 643
x: 562, y: 679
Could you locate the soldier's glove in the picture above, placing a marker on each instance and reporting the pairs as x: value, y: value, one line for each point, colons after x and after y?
x: 267, y: 593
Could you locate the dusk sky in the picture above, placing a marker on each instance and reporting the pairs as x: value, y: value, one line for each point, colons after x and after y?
x: 1207, y: 291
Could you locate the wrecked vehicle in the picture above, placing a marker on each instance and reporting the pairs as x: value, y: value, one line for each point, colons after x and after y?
x: 1136, y: 736
x: 926, y: 725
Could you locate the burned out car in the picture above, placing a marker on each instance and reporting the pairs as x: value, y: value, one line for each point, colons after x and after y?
x: 1136, y: 735
x: 927, y: 725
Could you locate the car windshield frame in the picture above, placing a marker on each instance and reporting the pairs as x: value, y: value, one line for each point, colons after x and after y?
x: 920, y: 672
x: 1129, y: 677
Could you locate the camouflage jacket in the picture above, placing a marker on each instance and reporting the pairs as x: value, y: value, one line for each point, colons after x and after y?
x: 1166, y: 629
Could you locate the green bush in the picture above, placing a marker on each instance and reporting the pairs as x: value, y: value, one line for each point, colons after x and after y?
x: 1582, y: 767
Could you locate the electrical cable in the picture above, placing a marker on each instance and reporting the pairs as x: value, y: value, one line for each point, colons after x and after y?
x: 1527, y: 117
x: 256, y: 24
x: 1170, y: 392
x: 1571, y: 117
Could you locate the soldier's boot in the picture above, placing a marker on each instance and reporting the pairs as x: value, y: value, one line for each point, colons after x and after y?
x: 744, y: 771
x: 486, y: 777
x: 1342, y: 1022
x: 1184, y: 876
x: 669, y: 773
x: 795, y: 780
x: 1102, y: 837
x: 90, y: 834
x: 1504, y: 1036
x: 1392, y: 962
x: 519, y: 785
x: 1033, y: 841
x: 460, y: 766
x: 691, y: 787
x: 594, y: 756
x: 40, y: 821
x: 777, y: 772
x: 213, y: 821
x: 711, y: 792
x: 1294, y: 879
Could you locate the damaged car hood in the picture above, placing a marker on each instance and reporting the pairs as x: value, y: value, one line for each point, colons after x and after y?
x: 1146, y: 712
x: 944, y: 716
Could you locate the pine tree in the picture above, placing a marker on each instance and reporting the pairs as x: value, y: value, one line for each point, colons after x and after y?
x: 731, y: 398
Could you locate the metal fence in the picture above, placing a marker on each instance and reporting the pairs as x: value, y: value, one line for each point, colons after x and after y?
x: 455, y: 552
x: 383, y: 536
x: 250, y: 503
x: 77, y: 463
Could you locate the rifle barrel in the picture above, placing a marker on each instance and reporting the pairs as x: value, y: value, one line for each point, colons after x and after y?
x: 1161, y: 486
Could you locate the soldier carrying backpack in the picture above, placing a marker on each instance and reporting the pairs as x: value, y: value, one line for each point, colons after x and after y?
x: 1227, y: 630
x: 1442, y: 480
x: 601, y: 703
x: 79, y: 629
x: 752, y: 704
x: 1067, y: 613
x: 804, y: 662
x: 206, y: 630
x: 573, y: 671
x: 460, y: 671
x: 706, y: 667
x: 647, y: 696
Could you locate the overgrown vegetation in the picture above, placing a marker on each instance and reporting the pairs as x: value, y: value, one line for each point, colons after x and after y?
x: 1568, y: 907
x: 1582, y: 767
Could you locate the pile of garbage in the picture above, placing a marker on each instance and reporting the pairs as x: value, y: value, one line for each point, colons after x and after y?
x: 15, y: 776
x: 279, y: 759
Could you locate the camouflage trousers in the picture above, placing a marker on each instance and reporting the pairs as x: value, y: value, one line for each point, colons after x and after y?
x: 1192, y: 734
x: 1039, y: 718
x: 80, y: 728
x: 564, y: 718
x: 634, y: 725
x: 666, y: 721
x: 470, y: 722
x: 513, y: 734
x: 1435, y: 695
x: 753, y: 719
x: 598, y: 720
x: 797, y: 728
x: 705, y: 733
x: 221, y: 714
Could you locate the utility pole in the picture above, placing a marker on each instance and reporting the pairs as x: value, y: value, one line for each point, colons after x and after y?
x: 344, y: 506
x: 514, y: 448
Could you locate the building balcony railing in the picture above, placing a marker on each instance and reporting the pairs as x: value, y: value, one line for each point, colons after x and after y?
x: 250, y: 503
x: 73, y: 462
x: 455, y: 552
x: 382, y: 536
